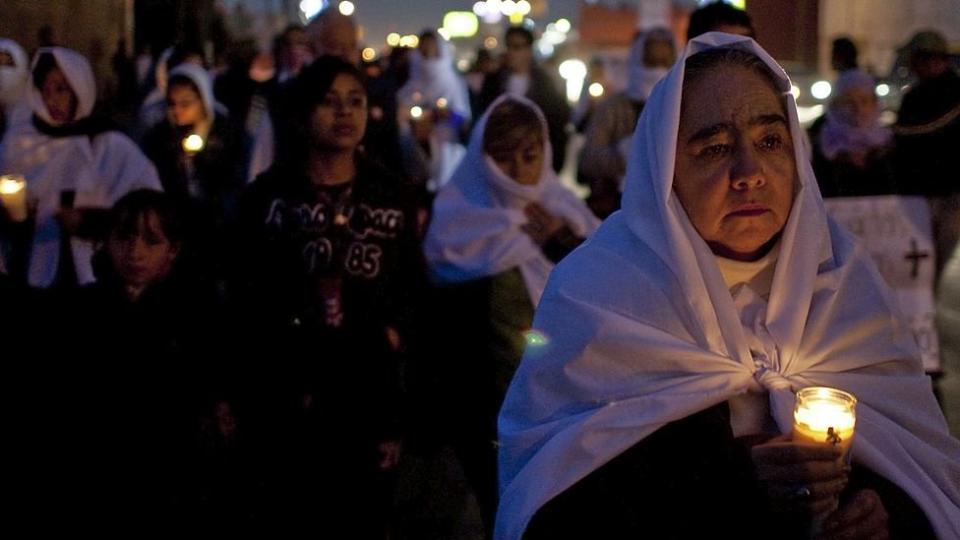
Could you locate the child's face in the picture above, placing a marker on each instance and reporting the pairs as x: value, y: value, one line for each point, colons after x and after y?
x: 142, y: 256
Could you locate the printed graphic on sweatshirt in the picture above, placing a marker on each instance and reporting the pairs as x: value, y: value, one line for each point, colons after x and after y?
x: 315, y: 228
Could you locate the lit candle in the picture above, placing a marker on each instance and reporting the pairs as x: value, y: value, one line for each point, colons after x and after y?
x: 192, y: 144
x: 825, y: 415
x: 13, y: 195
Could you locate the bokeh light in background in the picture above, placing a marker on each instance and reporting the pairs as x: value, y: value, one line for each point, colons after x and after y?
x: 821, y: 90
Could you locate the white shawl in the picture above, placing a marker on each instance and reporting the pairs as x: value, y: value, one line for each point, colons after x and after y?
x: 640, y: 330
x: 435, y: 78
x: 475, y: 231
x: 100, y: 170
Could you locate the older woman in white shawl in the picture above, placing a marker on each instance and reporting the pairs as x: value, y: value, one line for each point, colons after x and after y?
x: 498, y: 228
x: 75, y: 166
x: 674, y: 341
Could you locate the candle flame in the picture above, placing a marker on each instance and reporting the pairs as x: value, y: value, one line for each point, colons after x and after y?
x: 11, y: 184
x: 193, y: 143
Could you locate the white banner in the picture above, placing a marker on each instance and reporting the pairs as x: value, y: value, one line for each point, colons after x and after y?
x: 898, y: 234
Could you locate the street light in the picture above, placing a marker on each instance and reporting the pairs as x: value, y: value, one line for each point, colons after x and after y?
x: 347, y: 8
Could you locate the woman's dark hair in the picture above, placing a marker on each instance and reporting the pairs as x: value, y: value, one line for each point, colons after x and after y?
x: 519, y: 31
x: 712, y: 16
x: 45, y: 64
x: 125, y: 215
x: 307, y: 91
x: 702, y: 62
x: 183, y: 80
x: 508, y: 124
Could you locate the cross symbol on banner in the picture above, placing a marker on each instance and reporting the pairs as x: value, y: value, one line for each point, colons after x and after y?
x: 915, y: 257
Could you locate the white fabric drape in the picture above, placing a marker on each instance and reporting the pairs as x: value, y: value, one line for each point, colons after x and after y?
x: 100, y: 170
x: 475, y: 231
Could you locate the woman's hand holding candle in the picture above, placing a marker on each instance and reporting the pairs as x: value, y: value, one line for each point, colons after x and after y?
x: 863, y: 517
x: 800, y: 478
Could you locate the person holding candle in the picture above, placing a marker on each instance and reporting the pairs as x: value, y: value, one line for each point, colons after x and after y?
x: 75, y: 165
x: 327, y: 271
x: 198, y: 153
x: 659, y: 399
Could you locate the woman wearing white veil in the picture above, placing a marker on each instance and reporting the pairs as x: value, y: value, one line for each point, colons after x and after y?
x: 498, y: 228
x: 682, y: 329
x: 430, y: 138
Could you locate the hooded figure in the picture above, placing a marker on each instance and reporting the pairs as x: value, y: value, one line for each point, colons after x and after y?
x: 430, y: 138
x: 13, y: 84
x: 641, y: 331
x: 852, y: 150
x: 477, y: 227
x: 78, y: 164
x: 603, y: 159
x: 435, y: 78
x: 490, y: 252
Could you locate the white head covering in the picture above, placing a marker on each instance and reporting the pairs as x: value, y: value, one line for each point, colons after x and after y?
x: 435, y: 78
x: 643, y: 78
x: 79, y: 75
x: 13, y: 79
x: 200, y: 77
x: 475, y: 231
x: 843, y: 134
x: 641, y: 330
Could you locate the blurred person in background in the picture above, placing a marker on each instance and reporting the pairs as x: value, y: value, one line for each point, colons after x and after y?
x: 521, y: 76
x: 604, y: 156
x: 14, y: 78
x: 499, y: 227
x: 852, y: 150
x: 720, y: 16
x: 206, y: 178
x: 76, y: 166
x: 433, y: 114
x: 928, y: 136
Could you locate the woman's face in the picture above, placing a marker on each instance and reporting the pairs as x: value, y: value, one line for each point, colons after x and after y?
x: 523, y: 163
x: 857, y: 106
x: 59, y: 97
x: 735, y: 172
x: 143, y: 256
x: 185, y: 106
x: 340, y: 120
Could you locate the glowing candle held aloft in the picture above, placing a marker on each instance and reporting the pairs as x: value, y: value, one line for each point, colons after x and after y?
x: 13, y: 196
x: 825, y: 415
x: 193, y: 144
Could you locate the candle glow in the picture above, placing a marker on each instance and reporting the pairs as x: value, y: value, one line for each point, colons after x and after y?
x: 13, y: 196
x: 825, y: 415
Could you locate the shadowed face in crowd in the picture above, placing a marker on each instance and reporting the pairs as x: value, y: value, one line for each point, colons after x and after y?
x: 735, y: 169
x: 514, y: 140
x: 141, y: 254
x: 339, y: 121
x: 519, y: 53
x: 335, y: 35
x: 428, y: 46
x: 59, y: 97
x: 184, y: 104
x: 857, y: 106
